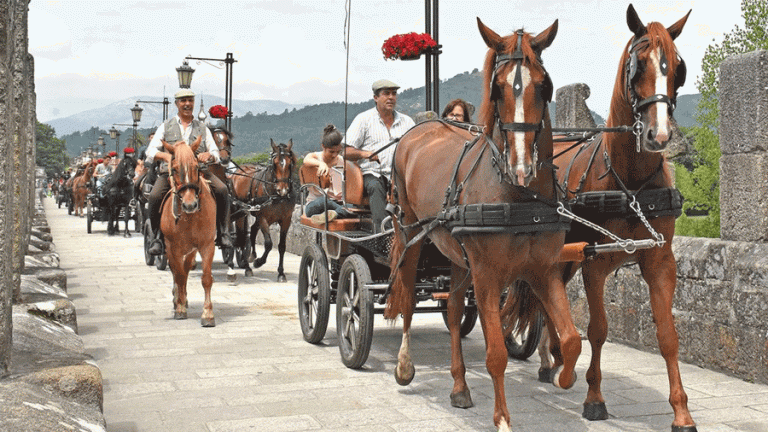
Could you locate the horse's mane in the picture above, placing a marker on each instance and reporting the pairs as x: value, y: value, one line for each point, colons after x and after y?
x: 658, y: 36
x: 508, y: 46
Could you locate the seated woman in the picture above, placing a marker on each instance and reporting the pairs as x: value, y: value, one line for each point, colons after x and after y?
x: 458, y: 110
x: 325, y: 160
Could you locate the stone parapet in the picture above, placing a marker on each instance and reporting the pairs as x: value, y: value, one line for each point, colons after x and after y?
x: 744, y: 197
x: 743, y: 99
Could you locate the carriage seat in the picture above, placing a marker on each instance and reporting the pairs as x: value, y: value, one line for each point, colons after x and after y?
x: 354, y: 194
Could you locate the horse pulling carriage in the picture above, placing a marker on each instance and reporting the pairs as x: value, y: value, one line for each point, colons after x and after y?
x: 498, y: 174
x: 114, y: 200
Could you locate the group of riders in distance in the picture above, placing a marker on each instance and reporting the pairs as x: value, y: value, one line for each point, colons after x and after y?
x: 507, y: 201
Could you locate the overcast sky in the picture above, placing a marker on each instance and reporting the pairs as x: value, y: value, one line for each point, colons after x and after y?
x: 90, y: 53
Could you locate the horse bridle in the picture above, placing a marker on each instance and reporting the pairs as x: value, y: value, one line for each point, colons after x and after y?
x: 282, y: 152
x: 630, y: 73
x: 517, y: 88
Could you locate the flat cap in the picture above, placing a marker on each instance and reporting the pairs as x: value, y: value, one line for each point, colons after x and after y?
x: 384, y: 84
x: 184, y: 93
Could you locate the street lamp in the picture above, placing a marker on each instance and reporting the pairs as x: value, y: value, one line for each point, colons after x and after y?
x: 165, y: 103
x: 102, y: 143
x: 185, y: 80
x: 136, y: 114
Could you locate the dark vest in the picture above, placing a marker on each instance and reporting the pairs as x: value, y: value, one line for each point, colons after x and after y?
x: 173, y: 133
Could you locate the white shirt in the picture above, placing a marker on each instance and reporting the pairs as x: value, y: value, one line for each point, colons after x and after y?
x: 156, y: 145
x: 368, y: 132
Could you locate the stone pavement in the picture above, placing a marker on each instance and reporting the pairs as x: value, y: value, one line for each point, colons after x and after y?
x: 254, y: 372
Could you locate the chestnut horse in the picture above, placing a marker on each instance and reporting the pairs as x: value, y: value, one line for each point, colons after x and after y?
x: 80, y: 188
x: 649, y: 74
x: 271, y: 189
x: 508, y: 170
x: 189, y: 225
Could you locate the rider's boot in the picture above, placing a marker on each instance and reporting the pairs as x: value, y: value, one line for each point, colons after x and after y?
x: 224, y: 238
x: 156, y: 247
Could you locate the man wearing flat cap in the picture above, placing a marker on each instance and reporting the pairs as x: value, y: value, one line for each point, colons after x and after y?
x: 184, y: 127
x: 369, y: 132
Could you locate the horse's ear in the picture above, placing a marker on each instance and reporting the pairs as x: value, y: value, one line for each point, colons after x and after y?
x: 196, y: 144
x: 491, y: 38
x: 290, y: 144
x: 167, y: 146
x: 633, y: 21
x: 677, y: 28
x: 272, y: 143
x: 544, y: 39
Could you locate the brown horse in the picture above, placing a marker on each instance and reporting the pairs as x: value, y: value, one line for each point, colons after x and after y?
x: 649, y: 74
x: 508, y: 171
x: 271, y: 189
x: 80, y: 188
x: 189, y: 225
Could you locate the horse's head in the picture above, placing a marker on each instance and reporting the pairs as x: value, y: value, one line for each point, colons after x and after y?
x: 185, y: 176
x: 223, y: 139
x: 652, y: 73
x: 518, y: 91
x: 282, y: 161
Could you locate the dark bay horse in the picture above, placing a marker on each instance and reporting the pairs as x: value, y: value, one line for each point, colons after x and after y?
x: 270, y: 188
x: 189, y: 225
x: 508, y: 168
x: 118, y: 192
x: 649, y: 74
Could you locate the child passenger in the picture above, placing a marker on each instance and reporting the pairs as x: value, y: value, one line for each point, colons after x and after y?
x: 325, y: 160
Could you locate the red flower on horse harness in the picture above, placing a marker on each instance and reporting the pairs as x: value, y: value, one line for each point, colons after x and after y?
x: 408, y: 45
x: 218, y: 111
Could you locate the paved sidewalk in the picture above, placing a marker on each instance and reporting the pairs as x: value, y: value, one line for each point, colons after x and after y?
x: 254, y: 372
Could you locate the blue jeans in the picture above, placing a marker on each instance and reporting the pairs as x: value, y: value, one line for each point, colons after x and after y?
x: 376, y: 188
x: 318, y: 206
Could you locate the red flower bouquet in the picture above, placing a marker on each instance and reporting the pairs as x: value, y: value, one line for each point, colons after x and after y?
x: 407, y: 46
x: 218, y: 111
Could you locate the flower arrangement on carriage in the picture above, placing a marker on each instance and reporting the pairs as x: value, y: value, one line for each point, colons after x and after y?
x: 408, y: 46
x: 218, y: 111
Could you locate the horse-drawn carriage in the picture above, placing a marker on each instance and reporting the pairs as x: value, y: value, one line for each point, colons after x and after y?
x: 113, y: 199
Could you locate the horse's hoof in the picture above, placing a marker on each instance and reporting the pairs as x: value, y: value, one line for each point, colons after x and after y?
x: 596, y: 411
x: 180, y: 315
x: 461, y: 399
x: 556, y: 374
x: 545, y: 375
x: 127, y: 235
x: 281, y: 278
x: 405, y: 378
x: 684, y: 428
x: 248, y: 272
x: 258, y: 263
x: 231, y: 277
x: 208, y: 322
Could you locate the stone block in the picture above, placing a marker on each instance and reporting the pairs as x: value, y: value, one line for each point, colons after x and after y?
x: 743, y: 98
x: 80, y: 383
x: 571, y: 108
x: 40, y: 343
x: 34, y: 290
x: 41, y: 260
x: 42, y: 235
x: 55, y: 277
x: 744, y: 197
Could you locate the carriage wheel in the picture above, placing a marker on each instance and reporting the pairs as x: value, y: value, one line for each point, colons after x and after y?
x: 469, y: 319
x: 522, y: 344
x: 89, y: 214
x: 354, y: 312
x: 314, y: 293
x: 241, y: 253
x: 149, y: 259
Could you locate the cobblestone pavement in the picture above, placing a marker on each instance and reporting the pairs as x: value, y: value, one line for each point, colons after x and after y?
x: 254, y: 372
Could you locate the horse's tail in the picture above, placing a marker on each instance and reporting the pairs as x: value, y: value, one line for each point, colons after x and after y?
x: 521, y: 307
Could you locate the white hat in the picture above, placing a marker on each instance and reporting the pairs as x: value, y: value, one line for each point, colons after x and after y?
x: 184, y: 93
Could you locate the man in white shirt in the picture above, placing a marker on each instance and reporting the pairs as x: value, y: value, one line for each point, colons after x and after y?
x: 369, y: 132
x: 184, y: 127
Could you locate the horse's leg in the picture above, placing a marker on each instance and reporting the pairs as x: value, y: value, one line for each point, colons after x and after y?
x: 242, y: 238
x: 178, y: 264
x: 285, y: 224
x: 488, y: 283
x: 206, y: 254
x: 547, y: 341
x: 264, y: 228
x: 597, y: 332
x: 660, y: 272
x: 555, y: 301
x: 127, y: 206
x: 460, y: 396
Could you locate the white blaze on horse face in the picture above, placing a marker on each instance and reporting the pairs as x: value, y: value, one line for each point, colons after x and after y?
x: 662, y: 120
x: 520, y: 115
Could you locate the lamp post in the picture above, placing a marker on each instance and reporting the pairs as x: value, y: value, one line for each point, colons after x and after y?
x: 165, y: 103
x: 432, y: 59
x: 136, y: 115
x: 185, y: 80
x: 115, y: 135
x: 102, y: 143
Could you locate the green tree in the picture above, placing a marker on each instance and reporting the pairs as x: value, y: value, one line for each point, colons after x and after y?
x: 51, y: 152
x: 701, y: 186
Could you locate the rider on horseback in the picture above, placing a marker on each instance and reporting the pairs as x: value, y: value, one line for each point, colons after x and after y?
x: 184, y: 127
